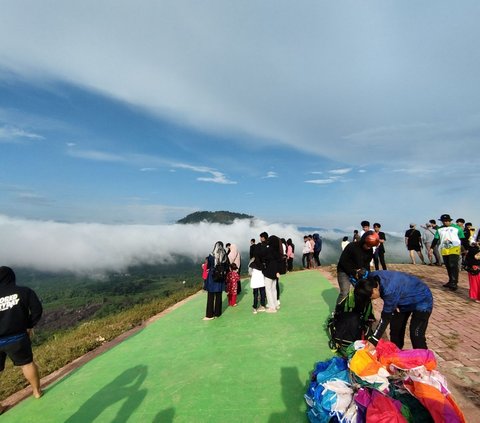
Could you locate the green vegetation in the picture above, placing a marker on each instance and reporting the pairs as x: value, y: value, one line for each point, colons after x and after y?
x: 81, y: 313
x: 223, y: 217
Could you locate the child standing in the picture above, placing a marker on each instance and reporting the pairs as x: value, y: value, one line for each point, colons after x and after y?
x: 472, y: 266
x: 205, y: 273
x: 232, y: 283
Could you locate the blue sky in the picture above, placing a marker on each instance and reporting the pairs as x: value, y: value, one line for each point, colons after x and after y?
x: 308, y: 113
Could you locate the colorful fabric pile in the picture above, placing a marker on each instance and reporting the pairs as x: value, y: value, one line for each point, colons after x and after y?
x: 380, y: 386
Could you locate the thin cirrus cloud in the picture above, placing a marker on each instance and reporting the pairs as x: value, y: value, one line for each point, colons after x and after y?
x: 215, y: 175
x: 336, y: 176
x: 271, y: 174
x: 13, y: 134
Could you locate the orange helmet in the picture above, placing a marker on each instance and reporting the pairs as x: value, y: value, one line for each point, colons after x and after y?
x: 372, y: 240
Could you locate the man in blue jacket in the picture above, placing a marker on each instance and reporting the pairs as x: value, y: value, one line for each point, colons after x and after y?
x: 20, y: 311
x: 403, y: 295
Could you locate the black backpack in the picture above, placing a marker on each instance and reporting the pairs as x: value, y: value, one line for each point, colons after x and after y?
x: 347, y: 325
x: 220, y: 272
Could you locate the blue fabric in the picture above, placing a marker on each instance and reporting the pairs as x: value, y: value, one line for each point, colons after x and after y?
x: 211, y: 285
x: 320, y: 404
x: 11, y: 339
x: 407, y: 292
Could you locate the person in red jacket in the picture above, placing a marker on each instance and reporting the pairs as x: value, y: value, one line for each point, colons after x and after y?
x: 20, y: 311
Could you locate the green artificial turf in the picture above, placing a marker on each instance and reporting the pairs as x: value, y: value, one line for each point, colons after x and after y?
x: 238, y: 368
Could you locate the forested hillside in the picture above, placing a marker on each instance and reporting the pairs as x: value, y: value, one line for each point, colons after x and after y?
x: 69, y: 299
x: 224, y: 217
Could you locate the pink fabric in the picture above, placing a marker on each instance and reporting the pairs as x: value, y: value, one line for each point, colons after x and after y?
x: 204, y: 271
x: 474, y: 282
x: 389, y: 354
x: 234, y: 255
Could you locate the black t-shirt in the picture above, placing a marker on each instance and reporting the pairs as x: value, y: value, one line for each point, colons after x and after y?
x: 414, y: 239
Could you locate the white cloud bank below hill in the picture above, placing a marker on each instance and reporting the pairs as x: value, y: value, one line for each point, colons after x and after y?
x: 93, y: 248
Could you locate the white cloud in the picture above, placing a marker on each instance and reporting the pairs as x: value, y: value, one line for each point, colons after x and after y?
x: 96, y: 155
x: 92, y: 248
x: 371, y: 91
x: 321, y: 181
x: 271, y: 174
x: 216, y: 176
x: 13, y: 134
x: 340, y: 171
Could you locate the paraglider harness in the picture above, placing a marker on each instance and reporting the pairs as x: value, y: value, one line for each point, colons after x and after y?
x: 347, y: 324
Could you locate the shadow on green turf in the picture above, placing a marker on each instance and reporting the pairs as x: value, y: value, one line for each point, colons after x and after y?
x: 125, y: 387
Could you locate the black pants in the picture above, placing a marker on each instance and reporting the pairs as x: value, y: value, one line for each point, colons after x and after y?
x: 316, y: 258
x: 380, y: 257
x: 418, y: 327
x: 214, y: 304
x: 306, y: 260
x: 451, y: 263
x: 256, y: 293
x: 290, y: 264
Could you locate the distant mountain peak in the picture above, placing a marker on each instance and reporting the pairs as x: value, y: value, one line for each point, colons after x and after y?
x: 223, y: 217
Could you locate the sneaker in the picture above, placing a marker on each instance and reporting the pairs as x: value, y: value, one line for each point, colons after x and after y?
x: 261, y: 308
x: 453, y: 287
x: 208, y: 318
x: 271, y: 310
x: 255, y: 311
x: 278, y: 302
x: 447, y: 285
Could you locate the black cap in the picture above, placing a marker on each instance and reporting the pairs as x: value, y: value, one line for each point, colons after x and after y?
x: 445, y: 217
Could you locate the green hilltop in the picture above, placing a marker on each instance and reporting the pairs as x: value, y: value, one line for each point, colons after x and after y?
x: 223, y: 217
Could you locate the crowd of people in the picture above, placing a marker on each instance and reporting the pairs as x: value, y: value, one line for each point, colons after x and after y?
x: 312, y: 247
x: 269, y: 259
x: 453, y: 245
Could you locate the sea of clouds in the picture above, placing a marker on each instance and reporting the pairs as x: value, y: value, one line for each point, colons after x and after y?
x: 86, y: 248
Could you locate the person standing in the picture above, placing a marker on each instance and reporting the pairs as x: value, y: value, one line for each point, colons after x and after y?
x: 436, y: 252
x: 290, y: 254
x: 306, y: 253
x: 217, y: 273
x: 273, y: 261
x: 450, y: 237
x: 356, y: 236
x: 427, y: 239
x: 472, y: 266
x: 355, y: 259
x: 344, y: 242
x: 251, y: 255
x: 234, y: 257
x: 379, y: 252
x: 257, y: 280
x: 413, y: 242
x: 317, y: 249
x: 20, y: 311
x: 232, y: 285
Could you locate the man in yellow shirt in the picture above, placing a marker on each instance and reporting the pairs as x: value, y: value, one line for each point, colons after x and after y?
x: 450, y: 238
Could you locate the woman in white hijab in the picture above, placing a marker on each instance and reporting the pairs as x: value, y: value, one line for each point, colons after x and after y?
x: 217, y: 272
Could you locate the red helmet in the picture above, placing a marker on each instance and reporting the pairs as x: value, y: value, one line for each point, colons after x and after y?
x: 372, y: 240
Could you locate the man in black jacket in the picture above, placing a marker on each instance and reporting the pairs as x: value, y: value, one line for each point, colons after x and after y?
x: 355, y: 258
x: 20, y: 311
